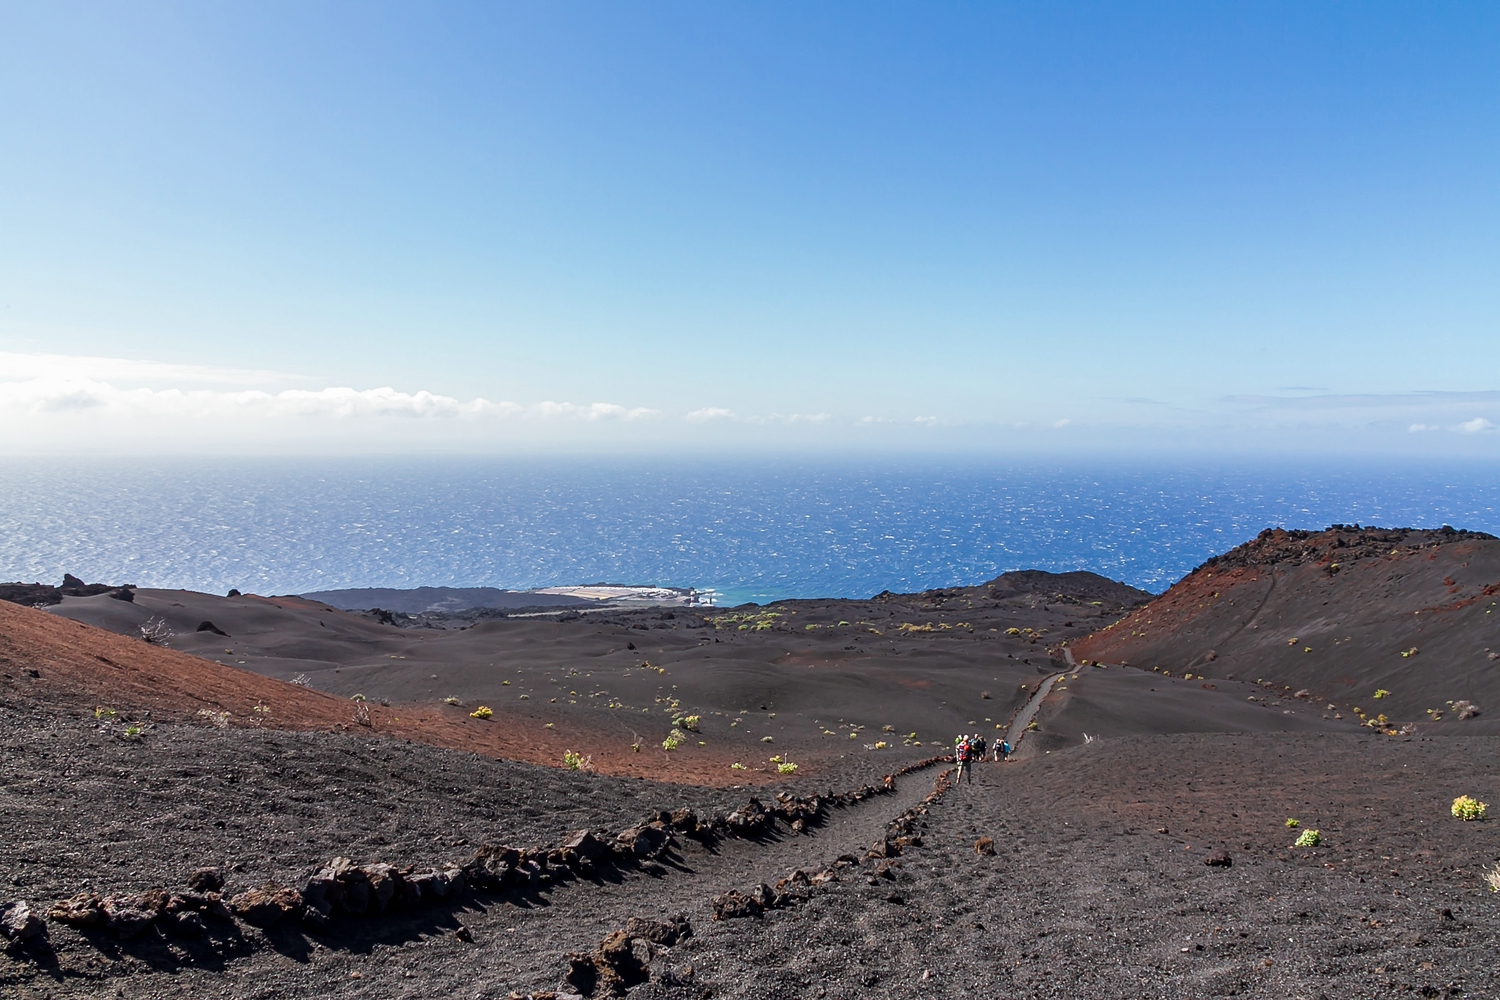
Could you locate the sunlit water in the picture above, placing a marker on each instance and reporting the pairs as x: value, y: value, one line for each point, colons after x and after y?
x: 752, y: 530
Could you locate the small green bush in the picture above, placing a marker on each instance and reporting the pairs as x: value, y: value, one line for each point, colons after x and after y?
x: 786, y: 767
x: 1467, y: 807
x: 1292, y: 824
x: 1381, y: 693
x: 673, y: 741
x: 576, y: 761
x: 482, y: 712
x: 1309, y: 838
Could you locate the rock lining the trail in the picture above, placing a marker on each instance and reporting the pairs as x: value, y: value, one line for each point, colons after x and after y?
x: 902, y: 833
x: 342, y: 889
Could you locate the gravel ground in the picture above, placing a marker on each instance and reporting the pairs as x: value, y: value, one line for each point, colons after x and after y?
x: 1098, y: 886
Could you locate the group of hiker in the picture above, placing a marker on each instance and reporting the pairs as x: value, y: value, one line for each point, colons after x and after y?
x: 969, y: 748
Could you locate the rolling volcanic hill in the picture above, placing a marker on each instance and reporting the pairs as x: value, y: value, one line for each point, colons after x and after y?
x: 1342, y: 614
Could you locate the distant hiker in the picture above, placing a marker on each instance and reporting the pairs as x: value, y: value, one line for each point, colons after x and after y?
x: 961, y: 753
x: 980, y: 748
x: 1003, y: 751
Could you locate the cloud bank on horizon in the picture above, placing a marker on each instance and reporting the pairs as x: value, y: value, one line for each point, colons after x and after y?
x: 58, y: 404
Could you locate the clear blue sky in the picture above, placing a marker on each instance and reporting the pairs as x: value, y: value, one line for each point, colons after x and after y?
x: 864, y: 225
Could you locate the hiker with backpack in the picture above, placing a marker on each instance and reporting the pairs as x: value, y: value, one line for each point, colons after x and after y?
x: 962, y: 750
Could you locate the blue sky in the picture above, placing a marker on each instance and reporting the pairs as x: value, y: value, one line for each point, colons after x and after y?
x: 1011, y: 228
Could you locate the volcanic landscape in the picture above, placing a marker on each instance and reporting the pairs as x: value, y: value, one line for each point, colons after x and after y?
x: 1244, y: 786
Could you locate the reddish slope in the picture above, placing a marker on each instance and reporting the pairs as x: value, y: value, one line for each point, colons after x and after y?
x: 1332, y: 612
x: 72, y: 667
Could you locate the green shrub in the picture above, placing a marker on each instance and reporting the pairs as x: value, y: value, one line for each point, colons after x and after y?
x: 1309, y: 838
x: 576, y: 761
x: 673, y: 741
x: 1381, y: 693
x: 482, y: 712
x: 1292, y: 824
x: 786, y: 767
x: 1467, y: 807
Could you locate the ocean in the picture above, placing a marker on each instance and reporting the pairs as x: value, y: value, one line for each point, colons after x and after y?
x: 752, y: 530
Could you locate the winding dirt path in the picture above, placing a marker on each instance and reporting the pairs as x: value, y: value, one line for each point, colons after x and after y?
x: 1024, y: 717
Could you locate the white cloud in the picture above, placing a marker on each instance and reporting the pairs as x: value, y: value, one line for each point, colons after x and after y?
x: 15, y: 366
x: 1419, y: 428
x: 51, y: 395
x: 1061, y: 423
x: 790, y: 418
x: 1475, y: 426
x: 708, y: 413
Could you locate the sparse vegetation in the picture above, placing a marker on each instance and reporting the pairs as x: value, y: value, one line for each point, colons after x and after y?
x: 482, y: 712
x: 219, y: 719
x: 362, y: 714
x: 133, y: 731
x: 688, y: 722
x: 1467, y: 807
x: 107, y: 714
x: 786, y: 767
x: 755, y: 621
x: 1309, y: 838
x: 1492, y: 878
x: 155, y: 629
x: 451, y: 701
x: 1292, y: 824
x: 673, y: 741
x: 737, y: 766
x: 577, y: 761
x: 1465, y: 709
x: 768, y: 739
x: 1381, y: 693
x: 358, y: 697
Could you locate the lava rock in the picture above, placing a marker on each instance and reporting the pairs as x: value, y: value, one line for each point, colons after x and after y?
x: 985, y: 847
x: 18, y: 922
x: 585, y: 845
x: 206, y: 880
x: 1219, y: 860
x: 266, y: 906
x: 129, y: 915
x: 734, y: 904
x: 82, y: 910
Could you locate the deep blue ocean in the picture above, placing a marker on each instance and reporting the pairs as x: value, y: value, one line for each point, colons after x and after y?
x: 754, y: 530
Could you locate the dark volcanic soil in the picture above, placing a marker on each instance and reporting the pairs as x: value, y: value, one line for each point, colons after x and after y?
x: 1101, y: 825
x: 1098, y: 887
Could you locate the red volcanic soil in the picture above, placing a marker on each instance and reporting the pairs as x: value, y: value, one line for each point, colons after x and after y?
x: 70, y: 666
x: 1342, y: 614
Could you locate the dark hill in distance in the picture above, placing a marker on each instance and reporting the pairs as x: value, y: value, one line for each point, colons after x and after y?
x: 1341, y: 613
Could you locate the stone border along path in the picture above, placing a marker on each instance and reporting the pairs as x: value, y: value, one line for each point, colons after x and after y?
x: 344, y: 890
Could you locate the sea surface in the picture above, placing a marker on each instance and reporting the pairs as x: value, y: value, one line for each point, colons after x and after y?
x: 752, y: 530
